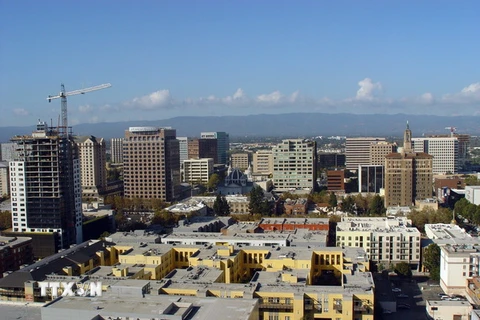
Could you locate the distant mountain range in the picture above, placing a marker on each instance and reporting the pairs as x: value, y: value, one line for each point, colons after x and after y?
x: 284, y: 125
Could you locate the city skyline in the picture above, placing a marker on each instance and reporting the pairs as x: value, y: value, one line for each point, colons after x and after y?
x: 237, y: 58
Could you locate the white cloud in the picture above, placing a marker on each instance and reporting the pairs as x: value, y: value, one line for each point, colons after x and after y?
x: 368, y: 89
x: 473, y: 88
x: 154, y: 100
x: 21, y: 112
x: 366, y: 100
x: 427, y: 98
x: 274, y: 97
x: 85, y: 109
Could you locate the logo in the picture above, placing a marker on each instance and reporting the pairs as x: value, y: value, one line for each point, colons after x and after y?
x: 70, y: 289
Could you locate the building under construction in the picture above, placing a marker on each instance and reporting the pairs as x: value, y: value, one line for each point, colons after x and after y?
x: 46, y: 189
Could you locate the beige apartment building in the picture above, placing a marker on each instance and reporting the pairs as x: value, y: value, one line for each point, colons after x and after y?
x: 386, y: 240
x: 116, y: 150
x: 240, y: 160
x: 197, y: 170
x: 151, y: 162
x: 379, y: 150
x: 93, y: 172
x: 357, y: 151
x: 408, y: 175
x: 263, y: 161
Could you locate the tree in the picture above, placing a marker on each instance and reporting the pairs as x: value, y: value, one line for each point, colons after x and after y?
x: 376, y: 206
x: 332, y: 201
x: 5, y: 220
x: 256, y: 198
x: 431, y: 260
x: 221, y: 206
x: 403, y: 269
x: 348, y: 205
x: 213, y: 181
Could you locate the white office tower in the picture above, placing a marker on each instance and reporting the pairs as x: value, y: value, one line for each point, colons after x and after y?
x: 294, y: 165
x: 116, y: 150
x: 198, y: 170
x: 444, y: 151
x: 46, y: 189
x: 223, y: 144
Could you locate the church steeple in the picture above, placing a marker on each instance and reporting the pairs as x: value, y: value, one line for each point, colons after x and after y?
x: 407, y: 140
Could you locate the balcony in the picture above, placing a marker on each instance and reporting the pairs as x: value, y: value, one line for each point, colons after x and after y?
x: 276, y: 305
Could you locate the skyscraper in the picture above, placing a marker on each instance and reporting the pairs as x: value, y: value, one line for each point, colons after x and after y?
x: 223, y: 145
x: 92, y: 154
x: 408, y: 175
x: 357, y: 151
x: 294, y: 165
x: 151, y: 163
x: 45, y: 186
x: 116, y: 150
x: 445, y: 152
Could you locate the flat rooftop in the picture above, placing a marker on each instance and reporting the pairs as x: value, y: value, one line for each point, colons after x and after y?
x: 153, y: 307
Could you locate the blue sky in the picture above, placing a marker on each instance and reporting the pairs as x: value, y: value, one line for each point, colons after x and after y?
x: 176, y: 58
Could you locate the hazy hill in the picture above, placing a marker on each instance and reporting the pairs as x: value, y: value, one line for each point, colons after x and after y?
x: 293, y: 124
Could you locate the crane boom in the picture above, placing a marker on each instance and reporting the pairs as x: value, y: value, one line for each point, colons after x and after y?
x: 63, y: 95
x: 80, y: 91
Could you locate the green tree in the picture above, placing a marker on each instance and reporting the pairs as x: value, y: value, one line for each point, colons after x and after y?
x: 332, y: 201
x: 213, y: 181
x: 376, y: 206
x: 221, y: 206
x: 5, y: 220
x: 256, y: 199
x: 163, y: 218
x: 431, y: 260
x: 348, y: 205
x: 403, y: 269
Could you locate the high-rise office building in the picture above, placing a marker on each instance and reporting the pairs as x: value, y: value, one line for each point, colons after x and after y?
x: 445, y: 152
x: 294, y: 165
x: 223, y: 145
x: 151, y: 163
x: 378, y: 151
x: 92, y: 154
x: 263, y: 162
x: 116, y: 150
x: 357, y: 151
x: 240, y: 160
x: 202, y: 148
x: 198, y: 170
x: 183, y: 145
x: 370, y: 178
x: 408, y: 175
x: 4, y: 179
x: 45, y: 186
x: 7, y: 151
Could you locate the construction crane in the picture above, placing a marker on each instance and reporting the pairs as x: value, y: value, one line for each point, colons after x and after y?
x: 63, y: 95
x: 452, y: 130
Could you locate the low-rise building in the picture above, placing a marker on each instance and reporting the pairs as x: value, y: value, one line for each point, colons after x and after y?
x: 14, y: 252
x: 387, y: 240
x: 457, y: 264
x: 296, y: 206
x: 441, y: 309
x: 327, y: 282
x: 472, y: 194
x: 290, y: 224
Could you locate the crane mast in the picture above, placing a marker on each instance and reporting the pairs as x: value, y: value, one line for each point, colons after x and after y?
x: 63, y: 98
